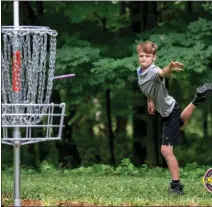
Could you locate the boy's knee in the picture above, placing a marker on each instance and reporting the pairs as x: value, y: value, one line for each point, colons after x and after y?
x: 166, y: 151
x: 163, y: 151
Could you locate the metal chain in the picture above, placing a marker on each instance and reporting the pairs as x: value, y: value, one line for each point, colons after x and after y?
x: 52, y: 59
x: 29, y: 72
x: 6, y: 65
x: 42, y: 68
x: 36, y: 78
x: 3, y: 70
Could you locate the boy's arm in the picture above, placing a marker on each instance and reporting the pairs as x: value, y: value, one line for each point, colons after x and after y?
x: 173, y: 66
x: 151, y: 107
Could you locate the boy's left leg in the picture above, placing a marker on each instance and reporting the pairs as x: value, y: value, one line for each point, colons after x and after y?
x: 175, y: 185
x: 170, y: 137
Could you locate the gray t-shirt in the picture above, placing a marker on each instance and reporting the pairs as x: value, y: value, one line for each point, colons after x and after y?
x: 153, y: 86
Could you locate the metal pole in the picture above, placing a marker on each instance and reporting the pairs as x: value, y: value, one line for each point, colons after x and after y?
x: 17, y: 180
x: 16, y: 131
x: 16, y: 13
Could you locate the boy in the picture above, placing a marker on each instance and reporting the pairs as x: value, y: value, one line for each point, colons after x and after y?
x: 152, y: 84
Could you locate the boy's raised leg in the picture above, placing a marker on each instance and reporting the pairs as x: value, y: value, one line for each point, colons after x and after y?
x: 201, y: 94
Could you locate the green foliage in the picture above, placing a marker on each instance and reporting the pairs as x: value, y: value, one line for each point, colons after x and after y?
x: 97, y: 43
x: 7, y: 159
x: 208, y: 7
x: 192, y: 48
x: 196, y: 150
x: 46, y: 167
x: 114, y: 73
x: 193, y: 170
x: 95, y: 169
x: 126, y: 168
x: 96, y: 12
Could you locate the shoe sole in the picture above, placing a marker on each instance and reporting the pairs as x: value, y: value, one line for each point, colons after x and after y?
x: 206, y: 89
x: 173, y: 192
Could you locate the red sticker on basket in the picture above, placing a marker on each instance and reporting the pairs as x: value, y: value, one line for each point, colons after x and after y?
x: 16, y: 66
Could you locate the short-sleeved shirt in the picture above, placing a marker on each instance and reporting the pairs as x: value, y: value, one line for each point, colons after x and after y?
x: 153, y: 86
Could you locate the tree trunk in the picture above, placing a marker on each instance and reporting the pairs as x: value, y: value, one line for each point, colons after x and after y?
x: 139, y: 125
x: 40, y: 11
x: 150, y: 13
x: 122, y: 7
x: 152, y: 151
x: 189, y: 6
x: 210, y: 123
x: 154, y: 130
x: 110, y: 130
x: 68, y: 154
x: 135, y: 16
x: 139, y: 135
x: 121, y: 142
x: 31, y: 13
x: 205, y: 122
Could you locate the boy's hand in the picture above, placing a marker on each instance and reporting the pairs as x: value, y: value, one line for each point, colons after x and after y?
x: 151, y: 107
x: 175, y: 66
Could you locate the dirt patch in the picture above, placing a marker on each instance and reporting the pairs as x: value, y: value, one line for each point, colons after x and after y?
x: 24, y: 202
x: 28, y: 202
x: 70, y: 203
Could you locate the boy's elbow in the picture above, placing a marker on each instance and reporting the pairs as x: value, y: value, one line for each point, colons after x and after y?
x: 161, y: 74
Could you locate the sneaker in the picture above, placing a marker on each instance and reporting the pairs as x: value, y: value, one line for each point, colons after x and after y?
x: 204, y: 90
x: 201, y: 93
x: 176, y: 189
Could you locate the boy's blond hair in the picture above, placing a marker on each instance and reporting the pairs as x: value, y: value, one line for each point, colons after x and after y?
x: 147, y: 47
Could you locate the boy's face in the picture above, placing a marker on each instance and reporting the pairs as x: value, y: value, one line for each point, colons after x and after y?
x: 146, y: 59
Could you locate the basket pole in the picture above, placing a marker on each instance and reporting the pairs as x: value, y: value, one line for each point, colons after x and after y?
x: 16, y: 13
x: 17, y: 163
x: 16, y: 131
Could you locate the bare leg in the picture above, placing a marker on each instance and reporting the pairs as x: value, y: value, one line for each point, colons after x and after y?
x: 167, y: 152
x: 187, y: 112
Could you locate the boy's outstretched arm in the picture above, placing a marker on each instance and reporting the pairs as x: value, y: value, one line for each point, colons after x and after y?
x: 173, y: 66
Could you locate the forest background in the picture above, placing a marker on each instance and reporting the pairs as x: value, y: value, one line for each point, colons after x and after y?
x: 107, y: 119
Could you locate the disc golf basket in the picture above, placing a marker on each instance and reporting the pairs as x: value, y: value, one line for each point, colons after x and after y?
x: 27, y: 82
x: 27, y: 72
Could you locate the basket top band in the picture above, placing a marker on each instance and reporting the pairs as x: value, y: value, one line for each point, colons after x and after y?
x: 28, y: 29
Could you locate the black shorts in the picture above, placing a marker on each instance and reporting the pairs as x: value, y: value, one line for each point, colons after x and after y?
x: 171, y: 127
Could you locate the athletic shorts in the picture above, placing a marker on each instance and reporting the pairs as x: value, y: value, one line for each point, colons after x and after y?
x: 171, y: 127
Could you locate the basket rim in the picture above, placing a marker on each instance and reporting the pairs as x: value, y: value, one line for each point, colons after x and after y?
x: 26, y: 28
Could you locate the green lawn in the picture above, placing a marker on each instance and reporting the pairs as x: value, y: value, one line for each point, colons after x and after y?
x: 146, y: 188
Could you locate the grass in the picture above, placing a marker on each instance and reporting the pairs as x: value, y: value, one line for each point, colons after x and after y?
x: 146, y: 188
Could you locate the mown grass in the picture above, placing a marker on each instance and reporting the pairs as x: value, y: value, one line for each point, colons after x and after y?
x: 108, y: 187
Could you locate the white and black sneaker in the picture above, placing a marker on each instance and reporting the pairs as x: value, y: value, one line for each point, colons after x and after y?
x: 201, y: 93
x: 176, y: 189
